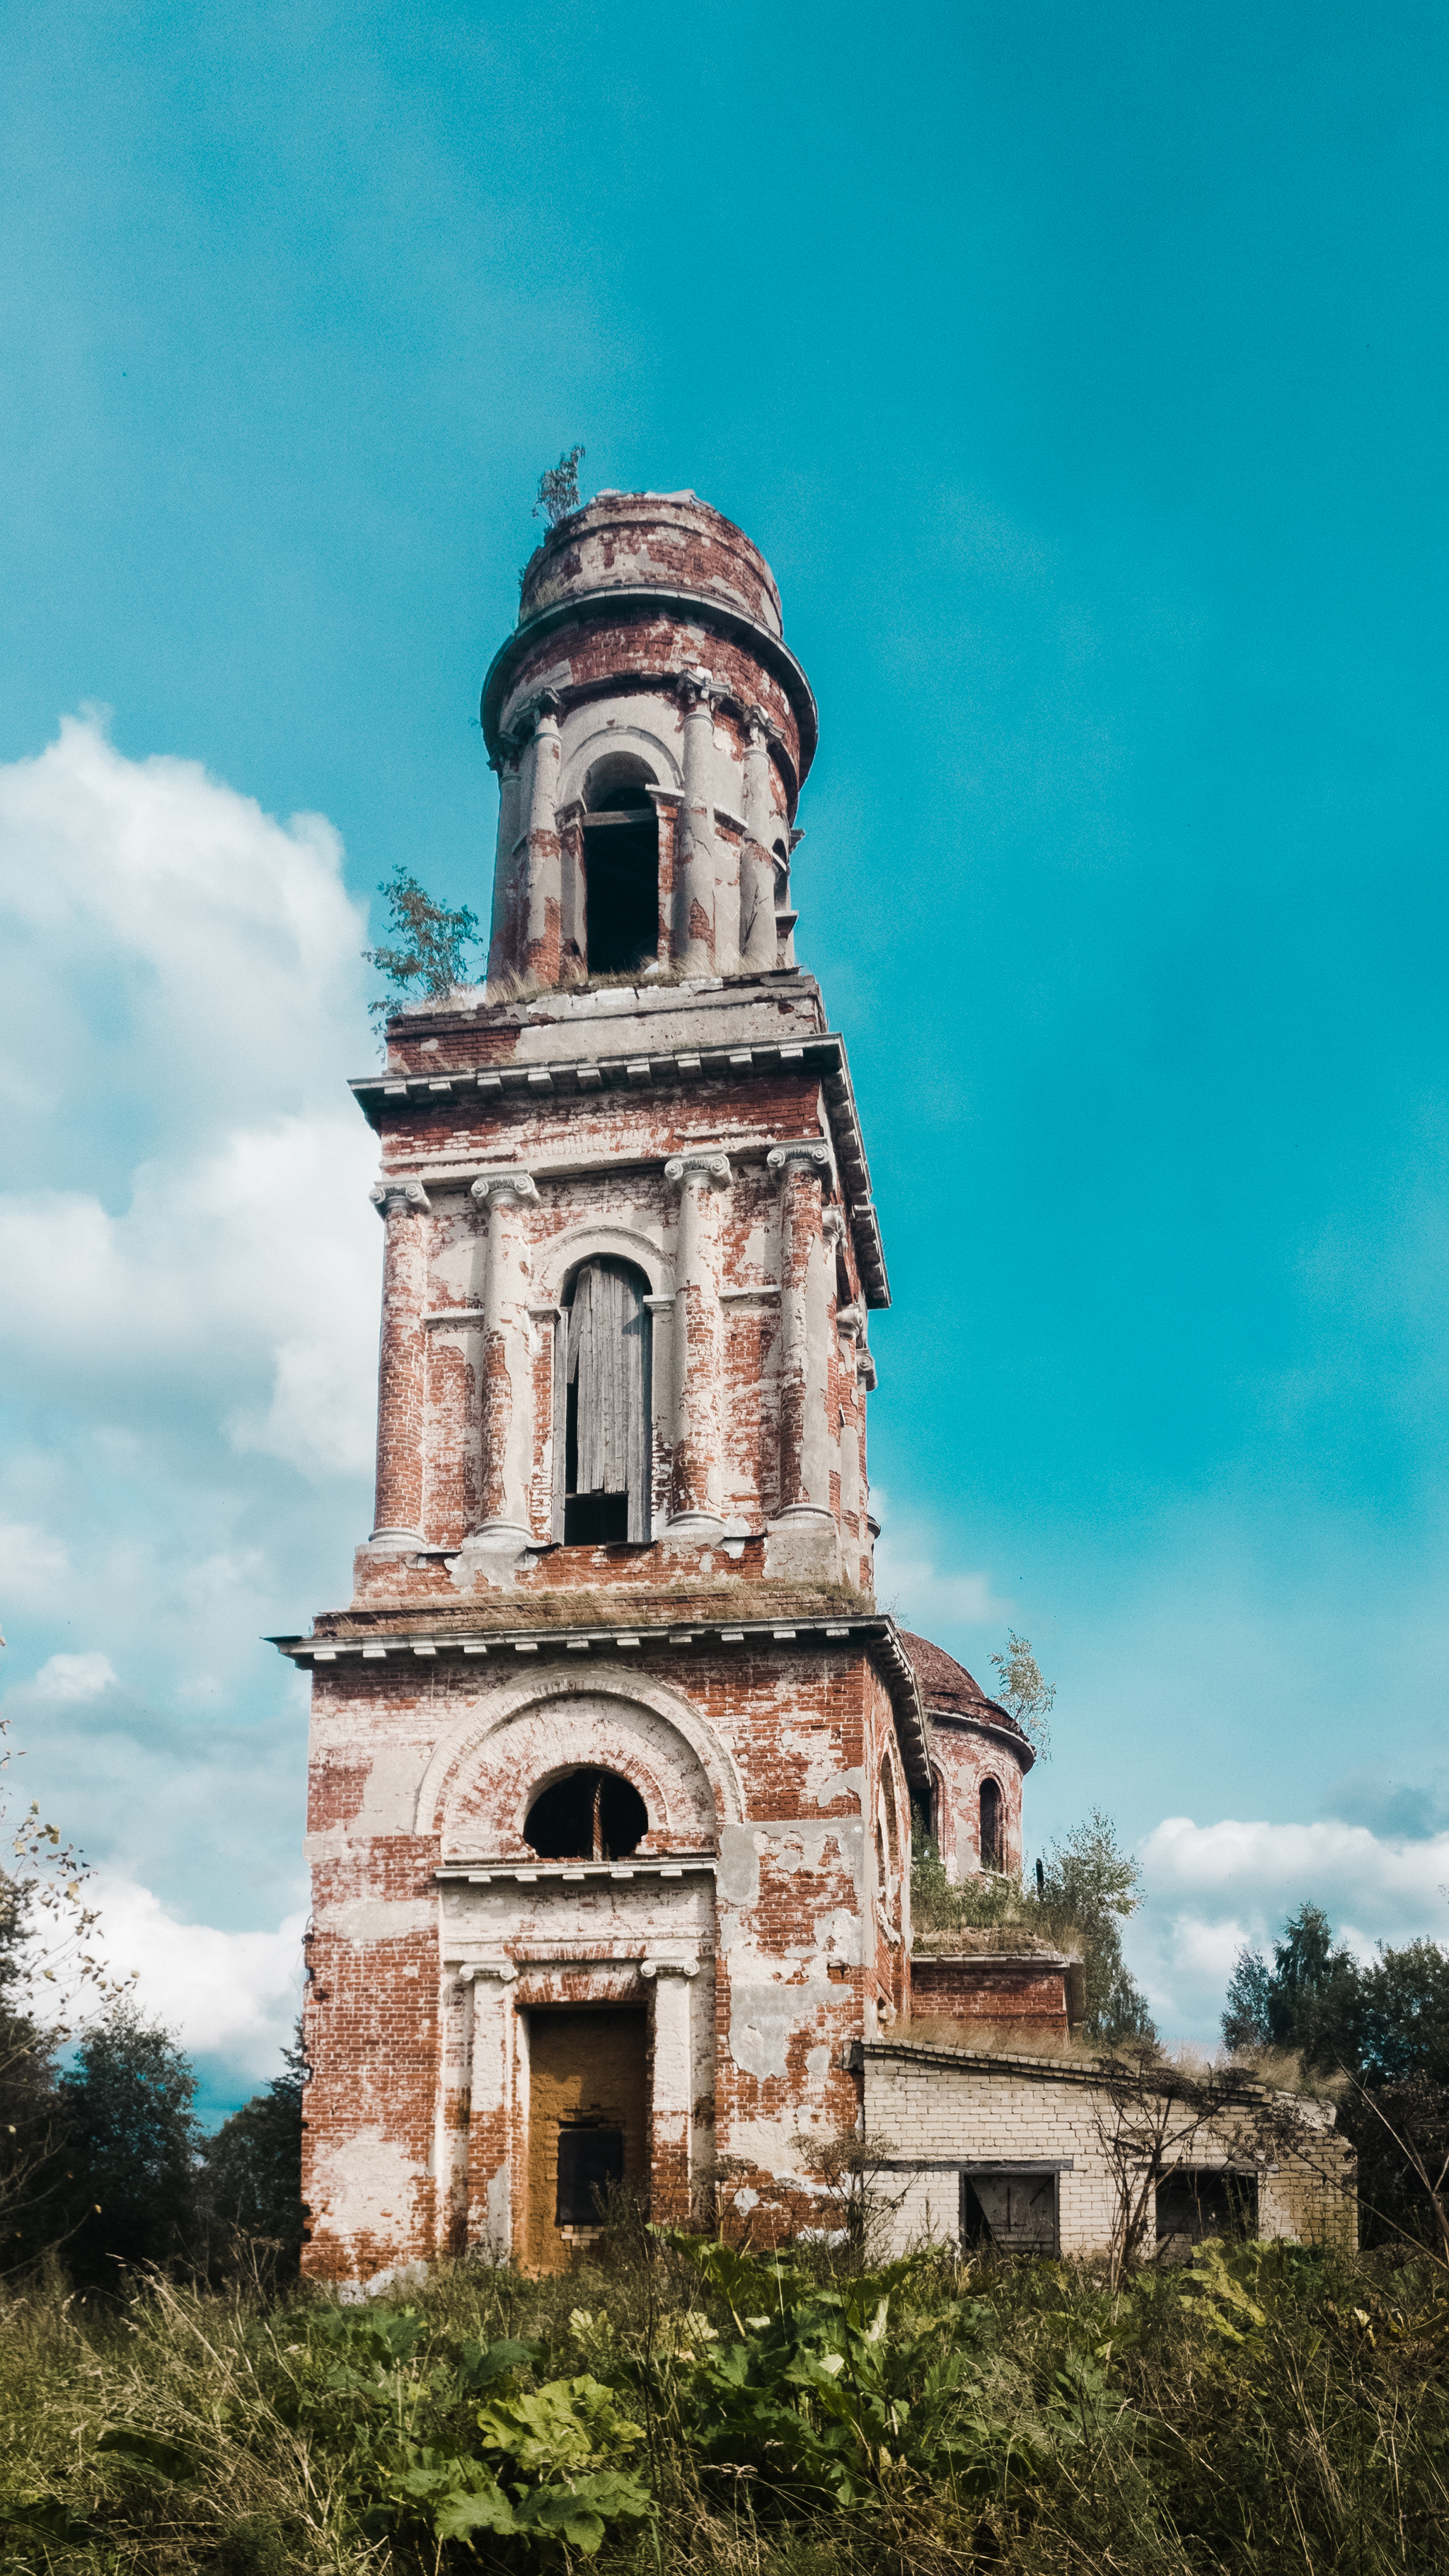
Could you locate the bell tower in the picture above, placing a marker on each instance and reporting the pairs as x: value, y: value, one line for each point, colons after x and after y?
x: 613, y: 1755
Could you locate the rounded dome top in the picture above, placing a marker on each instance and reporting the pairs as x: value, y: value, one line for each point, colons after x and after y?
x: 651, y: 541
x: 947, y: 1687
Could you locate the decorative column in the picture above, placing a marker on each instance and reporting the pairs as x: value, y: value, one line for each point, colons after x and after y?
x: 694, y: 865
x: 804, y: 1538
x: 505, y: 943
x: 673, y: 2088
x: 695, y: 1514
x: 543, y: 929
x: 402, y: 1363
x: 850, y: 1327
x: 506, y: 1415
x: 757, y: 867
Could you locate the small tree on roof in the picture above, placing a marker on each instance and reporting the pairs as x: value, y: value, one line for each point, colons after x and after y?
x: 431, y: 942
x: 558, y: 488
x: 1022, y: 1690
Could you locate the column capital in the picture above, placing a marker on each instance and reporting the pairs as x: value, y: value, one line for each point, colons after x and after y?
x: 703, y: 1163
x: 400, y: 1198
x: 697, y: 689
x: 504, y: 1186
x: 653, y: 1968
x: 850, y: 1321
x: 534, y: 712
x: 812, y: 1150
x: 760, y: 728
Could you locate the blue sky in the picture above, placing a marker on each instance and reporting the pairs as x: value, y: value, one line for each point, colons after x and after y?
x: 1081, y: 374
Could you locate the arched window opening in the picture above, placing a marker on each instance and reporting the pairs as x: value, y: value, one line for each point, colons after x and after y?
x: 601, y: 1398
x: 992, y: 1853
x: 939, y: 1826
x: 621, y: 865
x: 588, y: 1815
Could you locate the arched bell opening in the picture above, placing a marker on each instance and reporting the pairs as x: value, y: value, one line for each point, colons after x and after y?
x: 587, y: 1815
x: 602, y: 1400
x: 621, y: 865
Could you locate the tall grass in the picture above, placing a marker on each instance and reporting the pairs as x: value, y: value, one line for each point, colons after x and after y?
x: 1262, y: 2409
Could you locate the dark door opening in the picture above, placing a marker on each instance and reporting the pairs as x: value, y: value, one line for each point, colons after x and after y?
x: 589, y: 2160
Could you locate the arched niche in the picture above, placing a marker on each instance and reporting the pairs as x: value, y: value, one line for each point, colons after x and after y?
x: 558, y: 1260
x: 496, y: 1760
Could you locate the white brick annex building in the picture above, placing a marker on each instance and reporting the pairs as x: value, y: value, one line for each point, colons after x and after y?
x: 614, y: 1756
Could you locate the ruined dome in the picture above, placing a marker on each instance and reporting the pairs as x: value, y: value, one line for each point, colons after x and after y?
x: 948, y: 1689
x: 650, y: 541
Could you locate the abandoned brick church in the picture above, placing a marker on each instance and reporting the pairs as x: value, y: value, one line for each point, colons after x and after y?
x: 613, y: 1755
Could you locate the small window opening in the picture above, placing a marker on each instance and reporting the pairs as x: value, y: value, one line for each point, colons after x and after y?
x: 621, y: 861
x: 590, y: 2158
x: 602, y: 1393
x: 992, y: 1856
x: 1202, y: 2200
x: 588, y: 1815
x: 1015, y: 2211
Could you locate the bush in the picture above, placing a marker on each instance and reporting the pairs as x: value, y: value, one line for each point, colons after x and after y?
x: 1263, y: 2406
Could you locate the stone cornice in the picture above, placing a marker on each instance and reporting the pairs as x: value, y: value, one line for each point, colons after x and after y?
x: 1020, y: 1746
x: 625, y: 603
x: 380, y: 1094
x: 875, y: 1634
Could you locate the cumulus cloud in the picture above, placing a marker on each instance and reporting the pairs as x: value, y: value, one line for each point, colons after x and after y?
x: 75, y: 1677
x: 203, y: 961
x: 1211, y: 1889
x: 228, y: 1995
x: 34, y: 1565
x: 927, y: 1598
x: 187, y: 1340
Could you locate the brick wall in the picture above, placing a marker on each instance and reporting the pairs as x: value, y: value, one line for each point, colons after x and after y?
x: 939, y: 2109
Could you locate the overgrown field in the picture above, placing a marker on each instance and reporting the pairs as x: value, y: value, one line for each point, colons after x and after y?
x: 1264, y: 2408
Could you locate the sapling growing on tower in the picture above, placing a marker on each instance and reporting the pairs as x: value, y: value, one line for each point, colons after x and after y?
x: 432, y: 945
x: 558, y: 488
x: 1023, y: 1690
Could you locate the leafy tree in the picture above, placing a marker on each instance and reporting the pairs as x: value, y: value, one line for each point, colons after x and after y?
x: 1086, y: 1887
x: 1401, y: 2018
x: 49, y: 1973
x: 430, y: 945
x: 1387, y: 2028
x: 130, y: 2193
x: 29, y: 2127
x: 1023, y: 1691
x: 251, y: 2171
x: 558, y: 488
x: 1308, y: 2001
x: 1089, y: 1885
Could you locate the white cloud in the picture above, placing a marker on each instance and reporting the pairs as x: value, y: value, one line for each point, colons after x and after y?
x: 223, y: 942
x: 1211, y: 1889
x: 75, y: 1677
x: 203, y: 963
x: 925, y: 1597
x: 34, y: 1566
x: 233, y: 1995
x: 188, y: 1339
